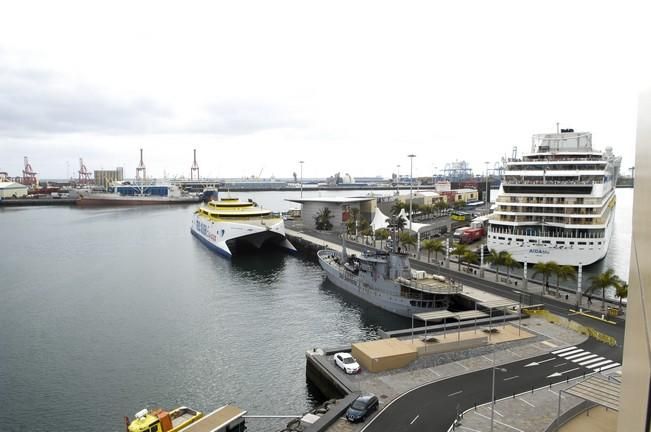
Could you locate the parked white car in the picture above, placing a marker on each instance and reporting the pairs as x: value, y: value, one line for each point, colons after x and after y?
x: 347, y: 362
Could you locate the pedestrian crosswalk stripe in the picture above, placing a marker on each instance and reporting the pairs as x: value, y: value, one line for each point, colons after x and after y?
x: 573, y: 356
x: 601, y: 369
x: 563, y: 350
x: 596, y: 366
x: 576, y: 351
x: 584, y: 357
x: 587, y: 362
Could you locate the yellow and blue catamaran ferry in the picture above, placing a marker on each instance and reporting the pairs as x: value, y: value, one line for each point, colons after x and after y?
x: 228, y: 224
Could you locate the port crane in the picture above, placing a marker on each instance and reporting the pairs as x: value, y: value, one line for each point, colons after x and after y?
x: 194, y: 167
x: 29, y: 175
x: 141, y: 169
x: 84, y: 174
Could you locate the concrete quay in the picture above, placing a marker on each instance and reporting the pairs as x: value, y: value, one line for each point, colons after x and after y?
x: 435, y: 367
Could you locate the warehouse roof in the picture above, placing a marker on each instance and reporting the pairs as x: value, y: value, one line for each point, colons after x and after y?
x: 12, y: 185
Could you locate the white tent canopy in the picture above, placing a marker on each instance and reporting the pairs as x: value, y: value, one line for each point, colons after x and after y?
x: 380, y: 221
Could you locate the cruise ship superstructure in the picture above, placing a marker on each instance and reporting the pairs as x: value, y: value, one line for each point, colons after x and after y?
x: 229, y: 224
x: 557, y: 202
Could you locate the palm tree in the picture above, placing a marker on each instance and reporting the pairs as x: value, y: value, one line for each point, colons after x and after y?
x: 563, y: 273
x: 407, y: 239
x: 603, y: 281
x: 381, y: 234
x: 397, y: 207
x: 509, y: 262
x: 546, y: 269
x: 322, y: 219
x: 460, y: 250
x: 438, y: 247
x: 428, y: 245
x: 470, y: 258
x: 427, y: 209
x: 621, y: 291
x: 495, y: 258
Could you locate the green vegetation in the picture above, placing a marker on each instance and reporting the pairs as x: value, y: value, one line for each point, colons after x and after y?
x: 322, y: 219
x: 603, y: 281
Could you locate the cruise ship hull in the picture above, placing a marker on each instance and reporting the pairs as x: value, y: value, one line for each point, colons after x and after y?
x: 227, y: 237
x: 382, y: 295
x: 108, y: 200
x: 592, y: 251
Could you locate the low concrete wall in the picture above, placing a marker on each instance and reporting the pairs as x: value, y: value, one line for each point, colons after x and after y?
x: 453, y: 345
x: 318, y: 372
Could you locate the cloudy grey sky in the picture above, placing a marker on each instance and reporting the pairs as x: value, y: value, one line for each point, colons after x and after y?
x: 344, y: 86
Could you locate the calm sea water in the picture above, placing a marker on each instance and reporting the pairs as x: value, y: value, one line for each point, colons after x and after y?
x: 106, y: 311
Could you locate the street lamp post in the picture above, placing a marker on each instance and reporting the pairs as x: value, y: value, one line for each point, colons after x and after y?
x: 411, y: 186
x: 579, y: 281
x: 487, y: 191
x: 493, y: 390
x: 519, y: 293
x: 301, y: 162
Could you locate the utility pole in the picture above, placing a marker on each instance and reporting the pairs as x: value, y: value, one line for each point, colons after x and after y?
x: 411, y: 186
x: 301, y: 162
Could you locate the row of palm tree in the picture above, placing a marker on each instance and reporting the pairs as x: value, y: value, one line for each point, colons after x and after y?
x: 599, y: 282
x: 425, y: 209
x: 502, y: 258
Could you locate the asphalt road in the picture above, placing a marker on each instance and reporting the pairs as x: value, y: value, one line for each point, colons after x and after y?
x: 434, y: 407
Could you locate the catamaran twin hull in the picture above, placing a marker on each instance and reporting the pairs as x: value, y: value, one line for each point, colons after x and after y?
x: 225, y: 237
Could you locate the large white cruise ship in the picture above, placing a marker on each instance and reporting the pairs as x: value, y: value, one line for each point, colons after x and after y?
x: 228, y: 224
x: 556, y: 203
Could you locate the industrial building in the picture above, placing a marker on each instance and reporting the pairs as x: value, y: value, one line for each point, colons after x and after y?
x: 12, y: 190
x: 104, y: 178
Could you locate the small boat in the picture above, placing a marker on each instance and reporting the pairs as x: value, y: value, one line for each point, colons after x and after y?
x: 228, y: 224
x: 227, y: 418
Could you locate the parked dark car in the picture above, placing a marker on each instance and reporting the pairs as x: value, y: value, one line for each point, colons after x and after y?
x: 361, y: 408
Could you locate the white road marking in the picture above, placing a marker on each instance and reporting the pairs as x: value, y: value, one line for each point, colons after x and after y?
x: 576, y: 355
x: 510, y: 378
x: 488, y: 358
x: 499, y: 422
x: 570, y: 370
x: 528, y: 403
x: 455, y: 393
x: 415, y: 418
x: 580, y: 359
x: 586, y: 363
x: 601, y: 369
x: 465, y: 367
x: 563, y: 350
x: 549, y: 359
x: 559, y: 365
x: 498, y: 413
x: 595, y: 366
x: 576, y: 351
x: 434, y: 372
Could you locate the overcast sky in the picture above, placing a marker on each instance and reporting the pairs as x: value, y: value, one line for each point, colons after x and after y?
x: 345, y: 86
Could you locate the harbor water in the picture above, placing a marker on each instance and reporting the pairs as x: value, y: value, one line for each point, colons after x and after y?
x: 106, y: 311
